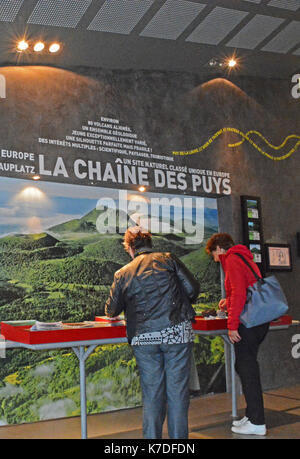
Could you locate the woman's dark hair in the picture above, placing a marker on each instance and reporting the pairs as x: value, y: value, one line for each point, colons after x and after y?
x: 223, y: 240
x: 136, y: 238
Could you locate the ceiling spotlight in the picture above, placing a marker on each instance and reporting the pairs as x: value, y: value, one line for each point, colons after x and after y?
x: 215, y: 63
x: 142, y: 189
x: 232, y: 62
x: 54, y: 48
x: 22, y: 45
x: 36, y: 177
x: 39, y: 46
x: 212, y: 63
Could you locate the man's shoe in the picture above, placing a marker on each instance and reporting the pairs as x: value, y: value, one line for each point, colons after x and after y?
x: 239, y: 422
x: 250, y: 429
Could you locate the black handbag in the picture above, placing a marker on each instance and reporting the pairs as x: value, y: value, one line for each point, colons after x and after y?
x: 265, y: 302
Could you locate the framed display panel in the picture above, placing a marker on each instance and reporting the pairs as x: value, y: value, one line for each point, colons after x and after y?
x: 252, y: 228
x: 278, y: 257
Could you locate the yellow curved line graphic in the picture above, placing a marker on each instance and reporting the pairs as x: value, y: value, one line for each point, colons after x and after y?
x: 275, y: 147
x: 246, y: 137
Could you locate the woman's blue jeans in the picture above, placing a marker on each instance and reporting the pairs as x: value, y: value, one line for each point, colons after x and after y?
x: 164, y: 372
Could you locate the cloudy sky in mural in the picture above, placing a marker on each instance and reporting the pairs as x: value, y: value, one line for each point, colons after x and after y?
x: 31, y: 207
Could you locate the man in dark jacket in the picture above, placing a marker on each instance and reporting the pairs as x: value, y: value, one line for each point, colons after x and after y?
x: 155, y: 290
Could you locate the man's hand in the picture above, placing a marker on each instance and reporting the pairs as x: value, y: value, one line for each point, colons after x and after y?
x: 234, y: 336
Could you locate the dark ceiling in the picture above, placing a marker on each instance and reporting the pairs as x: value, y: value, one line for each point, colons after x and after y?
x: 176, y: 35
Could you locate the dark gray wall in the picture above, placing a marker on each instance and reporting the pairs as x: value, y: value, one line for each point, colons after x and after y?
x: 177, y: 111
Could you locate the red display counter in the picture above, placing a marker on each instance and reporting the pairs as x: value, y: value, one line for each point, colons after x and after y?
x: 71, y: 333
x: 83, y: 338
x: 101, y: 328
x: 203, y: 323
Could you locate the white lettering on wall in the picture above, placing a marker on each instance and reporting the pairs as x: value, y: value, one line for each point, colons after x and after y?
x: 296, y: 347
x: 296, y: 88
x: 2, y: 87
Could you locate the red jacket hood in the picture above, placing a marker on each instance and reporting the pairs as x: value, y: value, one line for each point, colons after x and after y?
x: 242, y: 249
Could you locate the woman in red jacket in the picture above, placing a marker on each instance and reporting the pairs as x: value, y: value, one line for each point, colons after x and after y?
x: 238, y: 277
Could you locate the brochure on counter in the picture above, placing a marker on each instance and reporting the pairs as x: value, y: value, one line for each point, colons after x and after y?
x: 98, y: 322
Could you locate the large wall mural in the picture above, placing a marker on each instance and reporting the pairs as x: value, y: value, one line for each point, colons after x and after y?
x: 92, y: 138
x: 60, y: 246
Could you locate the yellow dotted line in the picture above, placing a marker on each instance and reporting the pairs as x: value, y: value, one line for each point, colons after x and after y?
x: 245, y: 137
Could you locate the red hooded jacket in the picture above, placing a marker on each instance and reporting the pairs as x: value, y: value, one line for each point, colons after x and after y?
x: 238, y: 277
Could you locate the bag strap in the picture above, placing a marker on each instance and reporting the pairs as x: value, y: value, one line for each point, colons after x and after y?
x: 248, y: 264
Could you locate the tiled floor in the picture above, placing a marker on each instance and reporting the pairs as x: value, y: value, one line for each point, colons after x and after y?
x: 209, y: 418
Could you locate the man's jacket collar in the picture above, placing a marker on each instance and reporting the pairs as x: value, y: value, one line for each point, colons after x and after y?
x: 143, y: 250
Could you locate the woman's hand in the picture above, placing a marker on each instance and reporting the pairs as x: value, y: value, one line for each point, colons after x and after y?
x: 234, y: 336
x: 222, y: 304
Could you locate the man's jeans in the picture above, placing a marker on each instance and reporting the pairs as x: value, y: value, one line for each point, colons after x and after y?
x: 164, y: 372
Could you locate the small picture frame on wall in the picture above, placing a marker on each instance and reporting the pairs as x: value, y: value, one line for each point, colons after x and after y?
x: 252, y: 208
x: 278, y: 257
x: 256, y: 252
x: 252, y: 228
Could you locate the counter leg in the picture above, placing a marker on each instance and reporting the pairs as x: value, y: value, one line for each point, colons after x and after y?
x: 229, y: 352
x: 227, y: 355
x: 233, y: 382
x: 82, y: 356
x: 82, y: 393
